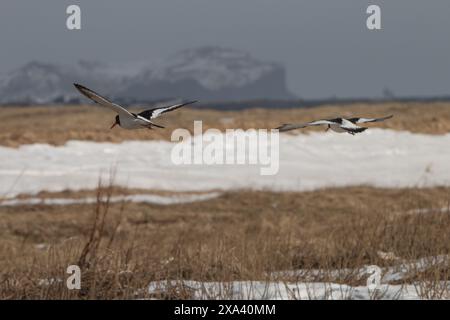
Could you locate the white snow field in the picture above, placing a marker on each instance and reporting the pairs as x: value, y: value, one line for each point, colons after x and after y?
x: 383, y: 158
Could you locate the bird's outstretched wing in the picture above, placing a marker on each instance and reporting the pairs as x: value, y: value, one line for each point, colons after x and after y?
x: 94, y: 96
x: 288, y: 127
x: 365, y: 120
x: 156, y: 112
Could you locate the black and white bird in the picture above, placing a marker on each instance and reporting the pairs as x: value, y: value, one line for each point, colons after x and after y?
x: 338, y: 124
x: 125, y: 118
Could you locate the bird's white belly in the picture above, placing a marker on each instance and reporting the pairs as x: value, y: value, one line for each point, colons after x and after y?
x: 131, y: 123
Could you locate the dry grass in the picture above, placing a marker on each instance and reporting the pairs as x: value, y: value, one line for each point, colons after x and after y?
x: 244, y: 235
x: 56, y: 125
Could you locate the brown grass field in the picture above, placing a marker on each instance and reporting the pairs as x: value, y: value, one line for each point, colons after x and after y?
x: 242, y: 235
x: 58, y: 124
x: 246, y: 235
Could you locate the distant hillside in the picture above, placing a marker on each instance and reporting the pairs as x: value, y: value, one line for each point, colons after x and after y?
x: 206, y: 73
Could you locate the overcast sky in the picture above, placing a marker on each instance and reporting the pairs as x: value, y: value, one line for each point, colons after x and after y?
x: 324, y: 44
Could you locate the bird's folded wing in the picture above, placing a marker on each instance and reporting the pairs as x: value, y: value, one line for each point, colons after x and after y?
x: 94, y: 96
x: 365, y: 120
x: 287, y: 127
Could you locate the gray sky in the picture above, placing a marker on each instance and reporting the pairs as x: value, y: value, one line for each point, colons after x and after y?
x: 324, y: 44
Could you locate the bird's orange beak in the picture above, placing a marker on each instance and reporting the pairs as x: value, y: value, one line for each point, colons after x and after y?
x: 114, y: 124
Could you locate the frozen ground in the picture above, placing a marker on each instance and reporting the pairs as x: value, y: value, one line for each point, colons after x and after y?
x: 389, y: 285
x: 376, y: 157
x: 389, y: 274
x: 136, y: 198
x: 308, y: 288
x: 283, y: 290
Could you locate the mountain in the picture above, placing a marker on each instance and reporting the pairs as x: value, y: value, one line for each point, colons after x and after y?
x: 206, y: 73
x: 41, y: 83
x: 211, y: 73
x: 34, y: 83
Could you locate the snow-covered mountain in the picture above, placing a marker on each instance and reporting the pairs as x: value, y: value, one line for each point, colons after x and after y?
x: 40, y: 83
x: 35, y: 82
x: 206, y: 73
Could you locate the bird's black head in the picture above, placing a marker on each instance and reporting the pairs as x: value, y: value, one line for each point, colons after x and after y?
x: 116, y: 122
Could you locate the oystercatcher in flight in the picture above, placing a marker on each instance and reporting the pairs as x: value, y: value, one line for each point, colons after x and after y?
x: 126, y: 119
x: 337, y: 124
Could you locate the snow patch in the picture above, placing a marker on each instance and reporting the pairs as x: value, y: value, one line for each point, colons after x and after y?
x: 381, y: 158
x: 261, y: 290
x: 396, y: 272
x: 309, y: 288
x: 136, y: 198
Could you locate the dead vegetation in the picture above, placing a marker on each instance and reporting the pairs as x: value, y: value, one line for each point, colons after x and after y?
x: 246, y: 235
